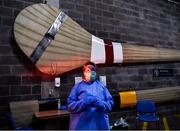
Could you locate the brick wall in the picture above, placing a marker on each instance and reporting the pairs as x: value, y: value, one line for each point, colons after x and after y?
x: 17, y: 79
x: 152, y: 23
x: 148, y: 22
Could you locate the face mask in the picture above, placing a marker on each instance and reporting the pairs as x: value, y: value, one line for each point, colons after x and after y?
x: 93, y: 76
x: 90, y: 76
x: 89, y: 73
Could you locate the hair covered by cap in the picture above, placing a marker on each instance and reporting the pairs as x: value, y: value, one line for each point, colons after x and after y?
x: 91, y: 64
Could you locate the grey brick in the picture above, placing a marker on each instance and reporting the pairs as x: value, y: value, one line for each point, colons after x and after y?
x: 112, y: 87
x: 66, y: 87
x: 149, y: 84
x: 4, y: 91
x: 101, y: 70
x: 66, y: 5
x: 10, y: 80
x: 5, y: 50
x: 26, y: 4
x: 22, y: 70
x: 108, y: 1
x: 8, y: 60
x: 5, y: 32
x: 4, y: 70
x: 122, y: 85
x: 108, y: 14
x: 142, y: 71
x: 89, y: 17
x: 75, y: 14
x: 31, y: 80
x: 4, y: 11
x: 37, y: 1
x: 102, y: 34
x: 82, y: 8
x: 114, y: 22
x: 115, y: 36
x: 129, y: 12
x: 7, y: 21
x: 30, y: 97
x: 67, y: 79
x: 177, y: 77
x: 136, y: 78
x: 64, y: 94
x: 31, y: 0
x: 110, y: 70
x: 20, y: 90
x: 93, y: 32
x: 1, y: 2
x: 151, y: 12
x: 36, y: 90
x: 103, y: 20
x: 94, y: 11
x: 84, y: 24
x: 4, y: 101
x: 13, y: 4
x: 94, y: 25
x: 101, y: 6
x: 90, y: 3
x: 108, y: 28
x: 114, y: 9
x: 120, y: 78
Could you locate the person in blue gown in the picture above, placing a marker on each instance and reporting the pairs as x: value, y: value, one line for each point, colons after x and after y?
x: 89, y: 102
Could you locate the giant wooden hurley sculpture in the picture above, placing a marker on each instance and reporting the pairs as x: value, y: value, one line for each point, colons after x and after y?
x: 57, y: 44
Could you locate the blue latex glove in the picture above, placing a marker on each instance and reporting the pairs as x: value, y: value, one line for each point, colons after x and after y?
x: 90, y: 99
x: 100, y: 105
x: 104, y: 106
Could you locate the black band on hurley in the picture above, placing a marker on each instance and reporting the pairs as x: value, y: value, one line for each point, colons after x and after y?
x: 43, y: 44
x: 48, y: 37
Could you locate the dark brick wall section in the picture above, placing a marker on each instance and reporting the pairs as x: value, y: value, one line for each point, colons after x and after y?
x: 17, y: 78
x: 20, y: 90
x: 4, y: 90
x: 4, y: 70
x: 4, y: 11
x: 151, y: 22
x: 14, y: 4
x: 10, y: 80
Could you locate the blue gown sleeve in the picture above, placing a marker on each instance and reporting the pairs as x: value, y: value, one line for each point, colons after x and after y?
x: 75, y: 105
x: 107, y: 104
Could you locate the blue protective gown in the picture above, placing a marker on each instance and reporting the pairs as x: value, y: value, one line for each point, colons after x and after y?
x: 86, y: 116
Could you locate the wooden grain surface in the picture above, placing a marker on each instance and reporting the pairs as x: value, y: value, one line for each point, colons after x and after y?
x: 160, y: 94
x: 51, y: 114
x: 71, y: 47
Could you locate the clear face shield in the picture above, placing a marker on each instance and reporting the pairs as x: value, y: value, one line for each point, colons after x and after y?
x: 89, y: 72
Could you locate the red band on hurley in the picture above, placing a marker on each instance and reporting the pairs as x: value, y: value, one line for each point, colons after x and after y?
x: 109, y: 52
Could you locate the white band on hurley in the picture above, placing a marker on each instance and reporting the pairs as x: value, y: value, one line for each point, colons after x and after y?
x: 118, y: 54
x: 99, y: 52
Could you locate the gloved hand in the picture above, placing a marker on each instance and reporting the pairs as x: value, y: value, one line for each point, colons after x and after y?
x: 100, y: 105
x: 90, y: 99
